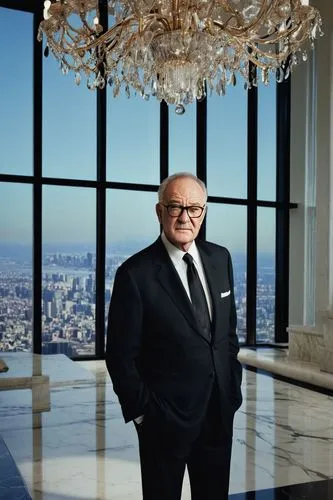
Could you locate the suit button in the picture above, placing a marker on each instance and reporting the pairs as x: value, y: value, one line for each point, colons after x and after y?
x: 212, y: 373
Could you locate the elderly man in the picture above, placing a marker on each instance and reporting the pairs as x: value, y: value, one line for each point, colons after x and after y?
x: 172, y: 350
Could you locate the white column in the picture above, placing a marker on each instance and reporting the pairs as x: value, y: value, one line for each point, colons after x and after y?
x: 324, y: 160
x: 299, y: 92
x: 312, y: 146
x: 311, y: 246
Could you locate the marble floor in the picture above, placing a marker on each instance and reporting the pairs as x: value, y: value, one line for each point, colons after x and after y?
x: 77, y: 447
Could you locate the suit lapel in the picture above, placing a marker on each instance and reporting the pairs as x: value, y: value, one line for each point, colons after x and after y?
x: 170, y: 281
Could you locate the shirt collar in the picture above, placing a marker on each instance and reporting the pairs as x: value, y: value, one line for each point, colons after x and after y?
x: 176, y: 254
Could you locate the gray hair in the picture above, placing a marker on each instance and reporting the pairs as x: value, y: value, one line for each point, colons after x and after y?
x: 180, y: 175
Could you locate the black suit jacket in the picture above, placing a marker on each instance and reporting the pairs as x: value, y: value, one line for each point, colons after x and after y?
x: 160, y: 363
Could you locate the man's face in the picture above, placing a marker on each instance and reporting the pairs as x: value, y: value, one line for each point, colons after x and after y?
x: 181, y: 230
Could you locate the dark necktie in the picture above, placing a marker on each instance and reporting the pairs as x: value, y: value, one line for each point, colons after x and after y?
x: 198, y: 297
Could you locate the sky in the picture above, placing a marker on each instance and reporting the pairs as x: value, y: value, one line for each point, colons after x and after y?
x: 69, y: 151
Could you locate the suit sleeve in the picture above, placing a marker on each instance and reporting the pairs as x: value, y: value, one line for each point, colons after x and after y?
x: 236, y: 366
x: 123, y: 345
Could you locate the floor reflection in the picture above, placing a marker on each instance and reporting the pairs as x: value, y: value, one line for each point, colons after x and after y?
x: 80, y: 448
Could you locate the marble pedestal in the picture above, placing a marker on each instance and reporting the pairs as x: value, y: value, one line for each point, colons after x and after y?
x: 313, y: 345
x: 41, y: 373
x: 39, y: 384
x: 304, y: 344
x: 326, y: 351
x: 326, y: 359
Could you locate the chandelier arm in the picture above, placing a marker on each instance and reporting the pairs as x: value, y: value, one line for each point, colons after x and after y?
x: 233, y: 32
x: 260, y: 55
x: 250, y: 56
x: 264, y: 11
x: 162, y: 20
x: 256, y: 53
x: 87, y: 68
x: 227, y: 7
x: 187, y: 13
x: 255, y: 61
x: 210, y: 8
x: 111, y: 43
x: 222, y: 26
x: 267, y: 14
x: 78, y: 31
x: 274, y: 57
x: 84, y: 22
x: 128, y: 43
x: 109, y: 46
x: 175, y: 15
x: 105, y: 37
x: 277, y: 38
x: 63, y: 42
x: 230, y: 30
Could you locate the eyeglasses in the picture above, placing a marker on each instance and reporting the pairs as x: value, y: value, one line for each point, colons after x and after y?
x: 193, y: 212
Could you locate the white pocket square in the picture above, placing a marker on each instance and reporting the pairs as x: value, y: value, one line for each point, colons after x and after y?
x: 225, y: 294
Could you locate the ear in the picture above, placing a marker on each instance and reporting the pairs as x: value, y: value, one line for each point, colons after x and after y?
x: 203, y: 215
x: 159, y: 212
x: 205, y: 212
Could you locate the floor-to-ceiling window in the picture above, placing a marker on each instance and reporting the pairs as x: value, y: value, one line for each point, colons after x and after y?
x: 266, y: 224
x: 79, y: 171
x: 16, y: 159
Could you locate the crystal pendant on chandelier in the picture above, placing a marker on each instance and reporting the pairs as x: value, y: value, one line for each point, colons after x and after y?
x: 181, y: 65
x: 174, y: 49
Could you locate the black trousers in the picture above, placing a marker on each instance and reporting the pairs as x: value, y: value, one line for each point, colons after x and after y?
x: 207, y: 461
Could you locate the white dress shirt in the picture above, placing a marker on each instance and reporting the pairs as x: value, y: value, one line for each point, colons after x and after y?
x: 176, y: 255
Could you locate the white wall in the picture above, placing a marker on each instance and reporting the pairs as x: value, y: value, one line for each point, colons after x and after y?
x: 312, y: 139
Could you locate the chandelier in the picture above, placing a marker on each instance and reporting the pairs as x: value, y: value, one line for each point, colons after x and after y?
x: 177, y: 50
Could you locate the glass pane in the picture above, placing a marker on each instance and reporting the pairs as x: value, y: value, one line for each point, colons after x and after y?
x: 123, y: 237
x: 16, y: 267
x: 16, y: 90
x: 69, y: 271
x: 226, y: 226
x: 266, y: 274
x: 133, y: 139
x: 267, y: 141
x: 227, y: 143
x: 182, y: 140
x: 69, y: 125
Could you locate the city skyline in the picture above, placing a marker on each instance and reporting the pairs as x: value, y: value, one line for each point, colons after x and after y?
x: 68, y: 309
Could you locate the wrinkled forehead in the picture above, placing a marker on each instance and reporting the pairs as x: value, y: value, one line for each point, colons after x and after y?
x: 185, y: 189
